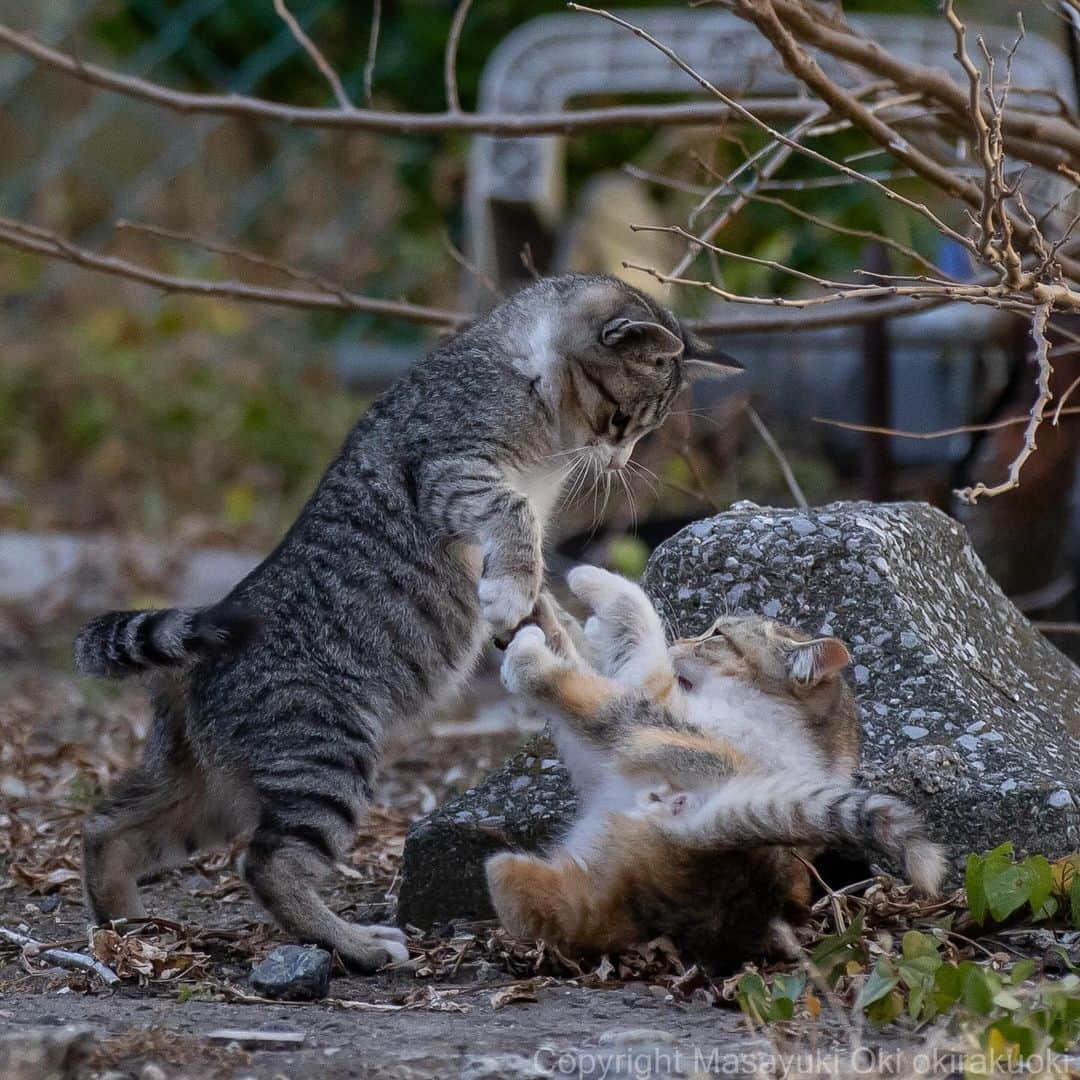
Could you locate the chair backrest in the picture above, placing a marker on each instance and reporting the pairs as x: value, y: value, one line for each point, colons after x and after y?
x: 516, y: 186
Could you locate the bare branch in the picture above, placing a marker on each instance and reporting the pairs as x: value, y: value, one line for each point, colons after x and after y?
x: 38, y: 241
x: 689, y: 114
x: 372, y: 51
x: 941, y: 433
x: 781, y: 459
x: 453, y: 102
x: 1042, y: 358
x: 746, y: 114
x: 62, y: 957
x: 1040, y: 132
x: 251, y: 257
x: 317, y: 58
x: 804, y: 67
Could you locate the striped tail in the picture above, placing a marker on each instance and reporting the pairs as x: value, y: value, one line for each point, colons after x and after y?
x: 123, y: 643
x: 751, y: 810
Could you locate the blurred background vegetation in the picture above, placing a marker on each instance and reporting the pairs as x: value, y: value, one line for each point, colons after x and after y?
x: 123, y: 409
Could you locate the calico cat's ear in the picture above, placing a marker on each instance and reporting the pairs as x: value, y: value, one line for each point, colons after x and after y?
x: 810, y: 662
x: 704, y: 361
x: 650, y: 337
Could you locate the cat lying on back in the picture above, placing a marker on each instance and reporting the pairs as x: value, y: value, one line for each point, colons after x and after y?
x: 423, y: 537
x: 699, y: 767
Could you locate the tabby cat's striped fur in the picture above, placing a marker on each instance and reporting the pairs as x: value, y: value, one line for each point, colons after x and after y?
x: 269, y: 707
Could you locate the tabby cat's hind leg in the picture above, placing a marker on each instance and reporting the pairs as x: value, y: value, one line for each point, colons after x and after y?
x: 158, y: 815
x: 283, y: 868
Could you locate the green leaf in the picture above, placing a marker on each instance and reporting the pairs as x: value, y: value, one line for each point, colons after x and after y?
x: 1042, y: 881
x: 948, y: 986
x: 1021, y: 971
x: 886, y: 1010
x: 973, y: 886
x: 1007, y: 887
x: 879, y: 984
x: 789, y: 986
x: 977, y: 993
x: 1074, y: 900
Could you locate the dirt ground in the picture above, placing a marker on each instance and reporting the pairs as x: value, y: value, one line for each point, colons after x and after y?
x: 469, y: 1003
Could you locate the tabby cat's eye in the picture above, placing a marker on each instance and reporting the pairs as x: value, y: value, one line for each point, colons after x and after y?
x: 619, y: 422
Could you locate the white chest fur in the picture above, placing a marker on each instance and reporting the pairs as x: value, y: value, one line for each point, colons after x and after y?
x: 766, y: 731
x: 541, y: 486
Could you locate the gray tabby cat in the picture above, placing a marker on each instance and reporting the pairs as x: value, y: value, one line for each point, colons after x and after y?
x: 428, y: 527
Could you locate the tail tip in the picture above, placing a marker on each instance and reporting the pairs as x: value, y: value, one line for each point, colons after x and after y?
x: 926, y: 866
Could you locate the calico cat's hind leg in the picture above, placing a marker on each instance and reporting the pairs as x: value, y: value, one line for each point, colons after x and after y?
x: 555, y: 899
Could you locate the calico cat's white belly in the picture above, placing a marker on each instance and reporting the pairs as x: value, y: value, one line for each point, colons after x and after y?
x: 766, y: 731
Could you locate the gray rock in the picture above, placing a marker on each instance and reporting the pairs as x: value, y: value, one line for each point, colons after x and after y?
x: 293, y: 973
x: 943, y: 650
x: 442, y: 870
x: 53, y: 1053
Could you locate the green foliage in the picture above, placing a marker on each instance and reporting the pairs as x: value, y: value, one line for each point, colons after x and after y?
x: 1005, y: 1011
x: 772, y: 1001
x: 998, y: 886
x: 178, y: 415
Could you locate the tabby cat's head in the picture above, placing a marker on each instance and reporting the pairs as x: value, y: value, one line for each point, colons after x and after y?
x: 619, y: 359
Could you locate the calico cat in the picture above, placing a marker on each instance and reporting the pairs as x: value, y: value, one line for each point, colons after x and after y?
x: 699, y: 767
x: 423, y: 537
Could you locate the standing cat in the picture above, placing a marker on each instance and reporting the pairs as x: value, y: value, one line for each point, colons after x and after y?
x: 269, y: 707
x: 698, y: 767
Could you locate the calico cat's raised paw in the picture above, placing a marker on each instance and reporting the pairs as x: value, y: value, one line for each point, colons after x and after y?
x: 526, y: 655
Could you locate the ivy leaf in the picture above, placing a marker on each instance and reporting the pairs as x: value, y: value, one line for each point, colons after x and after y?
x: 977, y: 993
x: 948, y: 986
x: 1042, y: 882
x: 880, y: 983
x: 975, y: 889
x: 885, y: 1010
x: 1007, y: 887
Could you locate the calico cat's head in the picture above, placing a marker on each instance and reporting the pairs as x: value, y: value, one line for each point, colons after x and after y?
x: 781, y: 662
x: 617, y: 357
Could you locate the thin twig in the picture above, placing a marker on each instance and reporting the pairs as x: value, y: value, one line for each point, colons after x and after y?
x: 1060, y: 410
x: 1042, y: 359
x: 39, y: 241
x: 1057, y: 627
x: 470, y: 267
x: 943, y: 433
x: 229, y: 250
x: 372, y: 52
x: 61, y: 957
x: 317, y: 58
x: 453, y: 40
x: 781, y: 459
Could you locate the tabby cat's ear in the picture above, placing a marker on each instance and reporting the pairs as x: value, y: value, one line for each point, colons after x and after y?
x: 811, y: 662
x: 705, y: 361
x: 650, y: 337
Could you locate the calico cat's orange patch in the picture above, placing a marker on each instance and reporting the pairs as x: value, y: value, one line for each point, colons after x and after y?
x: 583, y: 693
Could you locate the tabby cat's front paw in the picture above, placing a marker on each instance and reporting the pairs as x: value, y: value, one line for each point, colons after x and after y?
x: 506, y: 602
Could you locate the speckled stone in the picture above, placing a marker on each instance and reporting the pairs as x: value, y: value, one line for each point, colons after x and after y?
x: 967, y: 710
